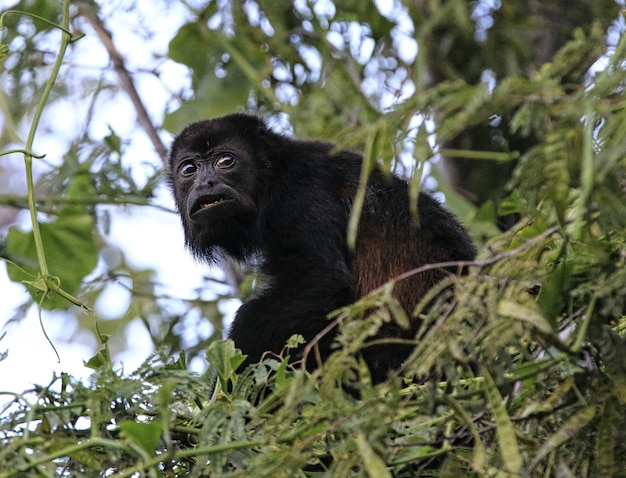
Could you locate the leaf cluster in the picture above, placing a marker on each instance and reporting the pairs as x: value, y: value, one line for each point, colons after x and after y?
x: 518, y: 367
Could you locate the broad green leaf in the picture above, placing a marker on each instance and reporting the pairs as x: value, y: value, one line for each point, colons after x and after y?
x: 146, y: 435
x: 225, y: 359
x: 241, y: 60
x: 179, y: 48
x: 70, y: 249
x: 214, y: 97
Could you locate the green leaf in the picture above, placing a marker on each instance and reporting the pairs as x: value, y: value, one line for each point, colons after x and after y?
x: 146, y: 435
x: 242, y: 64
x: 100, y: 361
x: 526, y: 313
x: 70, y: 250
x: 225, y: 359
x: 214, y: 97
x: 358, y: 11
x: 505, y: 432
x: 190, y: 34
x: 454, y: 201
x: 551, y: 297
x: 607, y: 437
x: 281, y: 378
x: 113, y: 141
x: 374, y: 464
x: 568, y: 430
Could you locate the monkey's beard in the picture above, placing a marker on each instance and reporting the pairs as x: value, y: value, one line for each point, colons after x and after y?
x: 217, y: 231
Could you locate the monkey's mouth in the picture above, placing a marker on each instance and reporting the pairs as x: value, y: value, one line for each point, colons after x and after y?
x: 207, y: 202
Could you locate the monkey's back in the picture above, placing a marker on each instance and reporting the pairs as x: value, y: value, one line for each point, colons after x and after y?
x: 390, y: 242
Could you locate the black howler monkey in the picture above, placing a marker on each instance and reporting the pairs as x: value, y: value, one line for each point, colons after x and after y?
x: 245, y: 191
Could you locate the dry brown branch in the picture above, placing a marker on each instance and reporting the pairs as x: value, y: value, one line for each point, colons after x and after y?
x: 126, y: 81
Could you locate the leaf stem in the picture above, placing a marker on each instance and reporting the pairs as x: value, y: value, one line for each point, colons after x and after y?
x: 22, y: 151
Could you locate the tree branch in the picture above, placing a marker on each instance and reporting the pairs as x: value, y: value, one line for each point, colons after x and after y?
x: 125, y: 78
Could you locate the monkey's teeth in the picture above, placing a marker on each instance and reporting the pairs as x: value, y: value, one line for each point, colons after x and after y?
x: 209, y: 204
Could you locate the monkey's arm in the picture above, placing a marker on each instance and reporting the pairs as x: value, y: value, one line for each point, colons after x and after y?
x: 296, y: 303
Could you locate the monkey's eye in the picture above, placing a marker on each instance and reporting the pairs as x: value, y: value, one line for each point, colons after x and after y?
x: 225, y: 161
x: 188, y: 168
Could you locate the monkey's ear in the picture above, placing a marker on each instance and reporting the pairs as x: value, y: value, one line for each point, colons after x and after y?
x: 270, y: 143
x: 262, y: 129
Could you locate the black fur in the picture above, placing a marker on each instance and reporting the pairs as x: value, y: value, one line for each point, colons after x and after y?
x: 287, y: 201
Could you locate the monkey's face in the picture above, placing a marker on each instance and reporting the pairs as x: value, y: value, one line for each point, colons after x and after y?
x: 214, y: 184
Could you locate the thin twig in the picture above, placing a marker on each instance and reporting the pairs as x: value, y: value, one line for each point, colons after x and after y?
x: 439, y: 265
x: 126, y: 81
x: 482, y: 262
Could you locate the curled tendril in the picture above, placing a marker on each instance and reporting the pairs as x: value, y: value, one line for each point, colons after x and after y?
x: 36, y: 17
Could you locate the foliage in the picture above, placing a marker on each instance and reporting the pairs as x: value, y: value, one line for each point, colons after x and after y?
x: 518, y: 367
